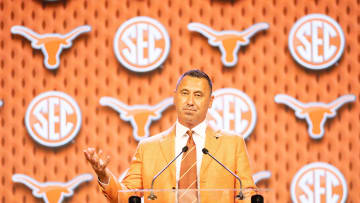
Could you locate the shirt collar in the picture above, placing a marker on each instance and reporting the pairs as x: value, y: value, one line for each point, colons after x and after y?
x: 199, y: 129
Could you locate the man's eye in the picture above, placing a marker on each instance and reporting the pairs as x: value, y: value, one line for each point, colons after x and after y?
x: 184, y: 93
x: 198, y: 95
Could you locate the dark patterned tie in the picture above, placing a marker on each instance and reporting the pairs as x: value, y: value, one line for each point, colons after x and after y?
x: 188, y: 173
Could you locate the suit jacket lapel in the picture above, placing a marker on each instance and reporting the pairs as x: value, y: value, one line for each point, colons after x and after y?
x: 212, y: 144
x: 167, y: 147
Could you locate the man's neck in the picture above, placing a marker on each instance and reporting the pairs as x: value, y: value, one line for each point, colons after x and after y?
x: 189, y: 125
x: 200, y: 128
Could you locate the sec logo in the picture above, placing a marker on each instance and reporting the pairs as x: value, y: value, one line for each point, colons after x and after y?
x: 316, y: 41
x: 318, y: 183
x: 232, y: 110
x: 53, y: 119
x: 141, y: 44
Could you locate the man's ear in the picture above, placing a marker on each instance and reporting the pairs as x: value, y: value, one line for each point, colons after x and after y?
x: 211, y: 101
x: 174, y: 95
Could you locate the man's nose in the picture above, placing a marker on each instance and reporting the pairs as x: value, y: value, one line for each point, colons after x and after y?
x: 190, y: 99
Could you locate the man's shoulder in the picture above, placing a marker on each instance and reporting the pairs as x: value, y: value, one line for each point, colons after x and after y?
x: 157, y: 138
x: 227, y: 135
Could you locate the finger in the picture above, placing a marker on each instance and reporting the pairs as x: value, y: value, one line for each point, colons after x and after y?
x: 90, y: 152
x: 101, y: 163
x: 90, y: 157
x: 93, y: 162
x: 104, y: 162
x: 95, y: 156
x: 90, y: 149
x: 107, y: 160
x: 100, y: 154
x: 87, y: 155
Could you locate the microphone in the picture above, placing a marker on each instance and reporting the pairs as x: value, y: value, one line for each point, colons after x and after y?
x: 257, y: 199
x: 152, y: 196
x: 240, y: 195
x: 134, y: 199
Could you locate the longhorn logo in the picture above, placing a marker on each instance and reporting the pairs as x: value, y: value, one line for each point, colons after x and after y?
x: 228, y: 41
x: 52, y: 192
x: 315, y: 113
x: 261, y: 175
x: 140, y: 116
x: 318, y: 182
x: 51, y: 45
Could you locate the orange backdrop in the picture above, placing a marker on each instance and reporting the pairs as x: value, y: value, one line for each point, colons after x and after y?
x: 89, y: 70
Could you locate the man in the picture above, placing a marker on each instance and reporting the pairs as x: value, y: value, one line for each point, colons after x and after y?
x: 193, y: 169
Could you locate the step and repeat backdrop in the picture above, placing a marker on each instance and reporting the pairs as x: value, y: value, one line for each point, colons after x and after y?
x: 77, y: 74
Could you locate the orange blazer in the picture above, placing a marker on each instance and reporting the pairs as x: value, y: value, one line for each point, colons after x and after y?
x: 154, y: 153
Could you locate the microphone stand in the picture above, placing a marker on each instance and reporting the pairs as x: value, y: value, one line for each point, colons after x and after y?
x: 240, y: 195
x: 152, y: 196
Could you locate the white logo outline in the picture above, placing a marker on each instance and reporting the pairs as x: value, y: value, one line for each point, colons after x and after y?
x: 299, y: 107
x: 165, y: 36
x: 245, y: 98
x: 318, y: 165
x: 76, y: 109
x: 209, y: 33
x: 33, y: 37
x: 292, y: 35
x: 24, y: 179
x: 120, y: 107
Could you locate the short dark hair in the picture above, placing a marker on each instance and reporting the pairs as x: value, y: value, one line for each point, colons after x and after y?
x: 196, y: 74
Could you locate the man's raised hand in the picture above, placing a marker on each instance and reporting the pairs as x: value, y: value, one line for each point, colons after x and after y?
x: 98, y: 162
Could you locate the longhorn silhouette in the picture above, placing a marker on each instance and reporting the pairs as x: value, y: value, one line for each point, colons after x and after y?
x: 51, y: 192
x: 140, y: 116
x: 315, y: 113
x: 261, y: 175
x: 228, y: 41
x: 51, y: 45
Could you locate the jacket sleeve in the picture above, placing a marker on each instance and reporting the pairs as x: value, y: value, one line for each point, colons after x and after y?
x: 110, y: 189
x: 132, y: 180
x: 243, y: 170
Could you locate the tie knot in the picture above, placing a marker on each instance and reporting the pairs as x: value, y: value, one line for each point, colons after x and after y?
x: 190, y: 133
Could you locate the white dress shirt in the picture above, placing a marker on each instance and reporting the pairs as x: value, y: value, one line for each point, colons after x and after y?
x: 181, y: 139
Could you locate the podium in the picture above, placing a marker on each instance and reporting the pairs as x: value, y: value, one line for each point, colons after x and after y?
x: 206, y: 195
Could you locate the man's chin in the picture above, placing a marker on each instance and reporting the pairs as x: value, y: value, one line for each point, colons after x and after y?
x: 188, y: 117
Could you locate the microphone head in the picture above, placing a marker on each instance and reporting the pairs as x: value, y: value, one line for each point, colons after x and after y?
x: 205, y: 151
x: 257, y: 199
x: 134, y: 199
x: 184, y: 149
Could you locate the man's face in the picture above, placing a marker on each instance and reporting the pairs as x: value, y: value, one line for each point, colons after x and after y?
x: 192, y: 100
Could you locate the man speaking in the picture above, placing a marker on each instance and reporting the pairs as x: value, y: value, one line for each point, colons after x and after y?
x: 187, y: 157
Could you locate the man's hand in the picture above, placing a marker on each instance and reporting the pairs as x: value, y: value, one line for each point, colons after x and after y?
x: 99, y: 162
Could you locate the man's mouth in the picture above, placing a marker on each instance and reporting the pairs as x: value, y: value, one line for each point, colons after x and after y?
x: 193, y: 110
